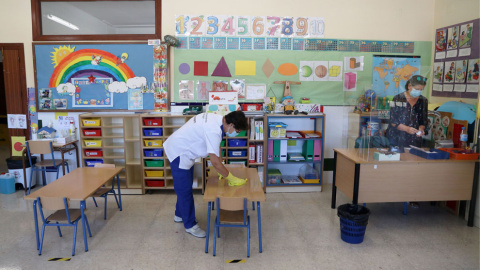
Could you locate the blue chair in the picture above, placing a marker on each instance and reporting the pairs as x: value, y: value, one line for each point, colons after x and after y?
x: 104, y: 191
x: 231, y: 212
x: 49, y: 164
x: 63, y: 216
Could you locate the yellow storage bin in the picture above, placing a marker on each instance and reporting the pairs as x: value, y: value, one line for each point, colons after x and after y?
x: 156, y: 143
x: 154, y: 173
x: 94, y: 122
x: 309, y: 181
x: 93, y: 143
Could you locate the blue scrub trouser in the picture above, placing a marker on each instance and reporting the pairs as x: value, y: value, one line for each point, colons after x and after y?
x: 182, y: 183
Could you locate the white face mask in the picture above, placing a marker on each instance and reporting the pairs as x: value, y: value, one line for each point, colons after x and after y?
x: 415, y: 93
x: 232, y: 134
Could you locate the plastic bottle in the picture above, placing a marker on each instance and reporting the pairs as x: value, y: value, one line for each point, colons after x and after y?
x: 463, y: 139
x: 72, y: 129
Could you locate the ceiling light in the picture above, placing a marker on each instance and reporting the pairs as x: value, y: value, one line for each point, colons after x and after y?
x: 62, y: 22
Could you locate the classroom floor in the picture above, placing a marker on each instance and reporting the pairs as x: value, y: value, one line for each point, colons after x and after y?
x: 300, y: 231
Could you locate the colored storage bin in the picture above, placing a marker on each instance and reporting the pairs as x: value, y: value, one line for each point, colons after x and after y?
x: 93, y: 122
x: 244, y: 162
x: 93, y: 143
x: 153, y: 152
x: 237, y: 153
x: 457, y: 153
x: 237, y: 142
x: 242, y: 133
x: 222, y: 144
x: 92, y: 132
x: 432, y: 154
x: 155, y: 183
x: 92, y: 162
x: 156, y: 143
x: 152, y: 132
x: 277, y: 129
x: 93, y: 153
x: 154, y: 173
x: 7, y: 183
x: 152, y: 121
x: 154, y: 163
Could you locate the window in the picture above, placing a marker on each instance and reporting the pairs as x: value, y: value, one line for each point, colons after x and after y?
x: 55, y: 20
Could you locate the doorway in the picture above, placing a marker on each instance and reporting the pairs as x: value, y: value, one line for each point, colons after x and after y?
x: 13, y: 95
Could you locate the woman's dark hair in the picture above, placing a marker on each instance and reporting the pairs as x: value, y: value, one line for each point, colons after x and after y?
x: 238, y: 119
x: 416, y: 80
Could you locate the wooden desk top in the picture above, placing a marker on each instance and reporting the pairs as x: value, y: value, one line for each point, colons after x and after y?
x: 78, y: 185
x: 54, y: 144
x: 252, y: 190
x: 365, y: 156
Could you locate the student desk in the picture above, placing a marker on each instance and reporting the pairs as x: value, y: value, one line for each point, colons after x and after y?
x: 363, y: 179
x: 78, y: 185
x: 59, y: 147
x: 252, y: 190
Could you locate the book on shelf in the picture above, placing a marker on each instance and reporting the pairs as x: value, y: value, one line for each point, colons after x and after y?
x: 261, y: 130
x: 251, y: 153
x: 252, y: 129
x: 293, y: 134
x: 295, y: 157
x: 259, y: 153
x: 290, y: 179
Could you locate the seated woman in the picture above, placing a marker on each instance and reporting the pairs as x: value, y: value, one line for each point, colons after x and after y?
x: 408, y: 114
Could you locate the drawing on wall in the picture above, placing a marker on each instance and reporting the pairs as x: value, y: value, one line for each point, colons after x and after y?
x: 473, y: 71
x: 466, y: 31
x: 460, y: 71
x: 452, y: 41
x: 440, y: 40
x: 438, y: 72
x: 449, y: 72
x: 238, y: 85
x: 203, y: 88
x: 186, y: 90
x: 390, y: 73
x: 93, y: 75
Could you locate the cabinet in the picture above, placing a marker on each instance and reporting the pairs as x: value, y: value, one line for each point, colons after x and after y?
x: 287, y: 153
x: 155, y: 167
x: 236, y: 149
x: 113, y: 139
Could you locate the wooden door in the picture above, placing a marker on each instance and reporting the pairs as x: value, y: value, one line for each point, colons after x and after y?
x: 15, y: 84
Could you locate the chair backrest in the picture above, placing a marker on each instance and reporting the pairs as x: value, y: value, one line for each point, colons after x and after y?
x: 53, y: 203
x: 231, y: 204
x: 104, y: 165
x: 39, y: 147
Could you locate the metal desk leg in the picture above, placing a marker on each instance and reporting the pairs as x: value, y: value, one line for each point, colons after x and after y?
x: 473, y: 200
x: 76, y: 152
x: 356, y: 182
x: 259, y: 228
x: 82, y: 210
x: 36, y: 223
x: 208, y: 226
x: 334, y: 188
x: 63, y: 161
x: 119, y: 194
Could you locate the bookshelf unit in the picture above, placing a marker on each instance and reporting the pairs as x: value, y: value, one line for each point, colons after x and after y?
x: 157, y: 163
x: 312, y: 122
x: 113, y: 139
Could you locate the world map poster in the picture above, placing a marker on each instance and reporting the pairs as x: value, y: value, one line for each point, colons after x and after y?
x: 390, y: 73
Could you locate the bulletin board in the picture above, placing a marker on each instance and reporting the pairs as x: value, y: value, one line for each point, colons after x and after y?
x: 193, y: 66
x: 456, y: 67
x: 107, y: 76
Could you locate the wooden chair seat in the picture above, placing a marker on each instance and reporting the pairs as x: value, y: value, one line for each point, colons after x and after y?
x: 101, y: 191
x: 49, y: 163
x: 231, y: 217
x: 61, y: 215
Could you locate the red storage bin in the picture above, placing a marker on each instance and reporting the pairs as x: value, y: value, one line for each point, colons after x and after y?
x: 152, y: 121
x: 155, y: 183
x: 93, y: 153
x: 92, y: 132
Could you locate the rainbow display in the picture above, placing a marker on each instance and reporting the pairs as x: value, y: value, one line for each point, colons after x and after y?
x: 79, y: 64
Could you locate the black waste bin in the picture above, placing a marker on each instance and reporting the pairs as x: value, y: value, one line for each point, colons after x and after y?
x: 353, y: 222
x: 15, y: 166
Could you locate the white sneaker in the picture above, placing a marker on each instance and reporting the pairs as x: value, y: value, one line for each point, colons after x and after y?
x: 196, y: 231
x: 177, y: 219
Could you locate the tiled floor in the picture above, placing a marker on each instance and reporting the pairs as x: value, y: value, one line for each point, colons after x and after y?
x: 300, y: 231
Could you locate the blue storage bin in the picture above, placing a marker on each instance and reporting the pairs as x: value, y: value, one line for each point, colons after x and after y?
x: 237, y: 142
x: 92, y: 162
x: 237, y: 153
x: 435, y: 154
x: 7, y: 183
x: 153, y: 152
x: 152, y: 132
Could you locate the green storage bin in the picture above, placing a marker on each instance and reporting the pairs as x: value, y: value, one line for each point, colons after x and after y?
x: 222, y: 144
x: 154, y: 163
x: 242, y: 133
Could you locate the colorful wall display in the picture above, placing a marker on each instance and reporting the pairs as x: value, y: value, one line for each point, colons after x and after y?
x: 391, y: 73
x: 457, y: 59
x: 99, y: 76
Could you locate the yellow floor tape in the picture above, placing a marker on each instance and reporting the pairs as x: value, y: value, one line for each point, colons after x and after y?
x: 236, y: 261
x: 59, y: 259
